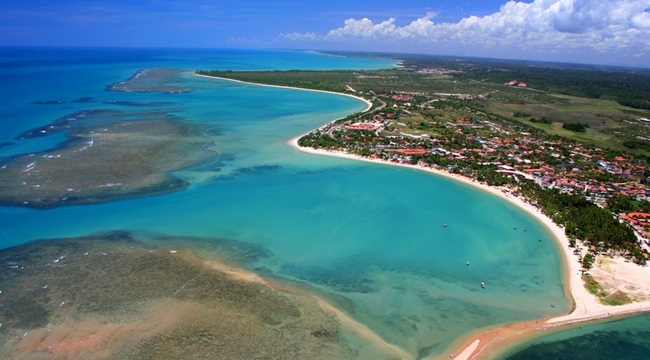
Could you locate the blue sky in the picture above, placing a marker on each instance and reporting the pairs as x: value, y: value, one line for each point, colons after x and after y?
x: 589, y: 31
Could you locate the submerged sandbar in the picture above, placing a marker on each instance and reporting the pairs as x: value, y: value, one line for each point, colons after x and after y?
x: 106, y: 162
x: 111, y: 296
x: 150, y: 80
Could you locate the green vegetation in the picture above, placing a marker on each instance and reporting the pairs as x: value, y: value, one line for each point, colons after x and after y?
x: 615, y: 299
x: 542, y: 120
x: 520, y: 114
x: 575, y: 127
x: 462, y: 116
x: 588, y: 261
x: 553, y: 96
x: 611, y: 125
x: 584, y: 220
x: 620, y: 204
x: 628, y: 87
x: 637, y: 144
x: 591, y: 284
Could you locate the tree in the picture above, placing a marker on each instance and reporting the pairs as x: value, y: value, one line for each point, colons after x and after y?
x: 619, y: 204
x: 588, y: 261
x: 575, y: 127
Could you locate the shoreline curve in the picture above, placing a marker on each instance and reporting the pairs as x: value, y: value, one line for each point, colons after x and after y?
x: 368, y: 103
x: 480, y: 345
x: 584, y: 306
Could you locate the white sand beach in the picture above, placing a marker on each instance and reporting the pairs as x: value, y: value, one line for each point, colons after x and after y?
x: 586, y: 306
x: 368, y: 103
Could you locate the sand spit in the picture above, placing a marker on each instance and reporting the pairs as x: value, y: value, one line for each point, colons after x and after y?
x: 368, y: 103
x: 586, y: 306
x: 363, y: 331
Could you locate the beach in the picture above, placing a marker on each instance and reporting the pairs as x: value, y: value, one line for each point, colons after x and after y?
x: 397, y: 287
x: 585, y: 307
x: 368, y: 103
x: 482, y: 344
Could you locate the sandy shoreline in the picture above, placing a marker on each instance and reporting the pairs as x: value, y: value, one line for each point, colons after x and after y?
x: 368, y: 103
x: 585, y: 305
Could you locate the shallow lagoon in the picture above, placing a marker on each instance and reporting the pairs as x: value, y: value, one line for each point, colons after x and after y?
x: 367, y: 237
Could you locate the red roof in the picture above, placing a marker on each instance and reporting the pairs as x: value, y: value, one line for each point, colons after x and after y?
x: 412, y: 151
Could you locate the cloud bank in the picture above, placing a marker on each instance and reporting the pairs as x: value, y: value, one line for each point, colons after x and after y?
x: 552, y: 25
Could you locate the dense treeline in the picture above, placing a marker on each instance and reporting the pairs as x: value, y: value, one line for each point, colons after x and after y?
x: 542, y: 120
x: 320, y: 141
x: 583, y: 219
x: 637, y: 144
x: 576, y: 127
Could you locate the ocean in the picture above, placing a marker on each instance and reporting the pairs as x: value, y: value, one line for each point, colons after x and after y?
x: 369, y: 238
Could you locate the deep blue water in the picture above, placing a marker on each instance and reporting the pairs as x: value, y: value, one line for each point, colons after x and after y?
x: 366, y: 236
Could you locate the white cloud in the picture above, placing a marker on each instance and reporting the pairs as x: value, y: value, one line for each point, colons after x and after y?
x: 364, y: 29
x: 599, y: 25
x: 299, y: 36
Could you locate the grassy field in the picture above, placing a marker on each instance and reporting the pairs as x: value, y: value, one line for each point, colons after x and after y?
x: 609, y: 122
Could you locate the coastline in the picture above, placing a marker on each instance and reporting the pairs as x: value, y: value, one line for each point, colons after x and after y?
x: 368, y: 103
x: 487, y: 342
x: 585, y: 306
x: 359, y: 329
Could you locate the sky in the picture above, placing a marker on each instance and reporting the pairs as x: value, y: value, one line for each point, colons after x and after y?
x: 610, y: 32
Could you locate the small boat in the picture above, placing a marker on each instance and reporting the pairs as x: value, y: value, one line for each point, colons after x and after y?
x: 467, y: 263
x: 482, y: 285
x: 444, y: 225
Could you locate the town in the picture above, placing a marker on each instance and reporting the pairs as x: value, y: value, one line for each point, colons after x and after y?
x: 411, y: 128
x: 578, y: 153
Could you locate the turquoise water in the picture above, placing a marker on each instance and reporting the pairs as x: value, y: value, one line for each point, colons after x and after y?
x: 621, y: 339
x: 368, y: 237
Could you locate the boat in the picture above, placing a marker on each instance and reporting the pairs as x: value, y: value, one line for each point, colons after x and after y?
x: 482, y: 285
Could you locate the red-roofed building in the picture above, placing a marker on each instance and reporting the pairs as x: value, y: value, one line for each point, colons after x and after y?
x: 364, y: 126
x: 412, y: 151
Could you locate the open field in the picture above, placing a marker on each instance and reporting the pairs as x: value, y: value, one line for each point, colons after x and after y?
x: 610, y: 123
